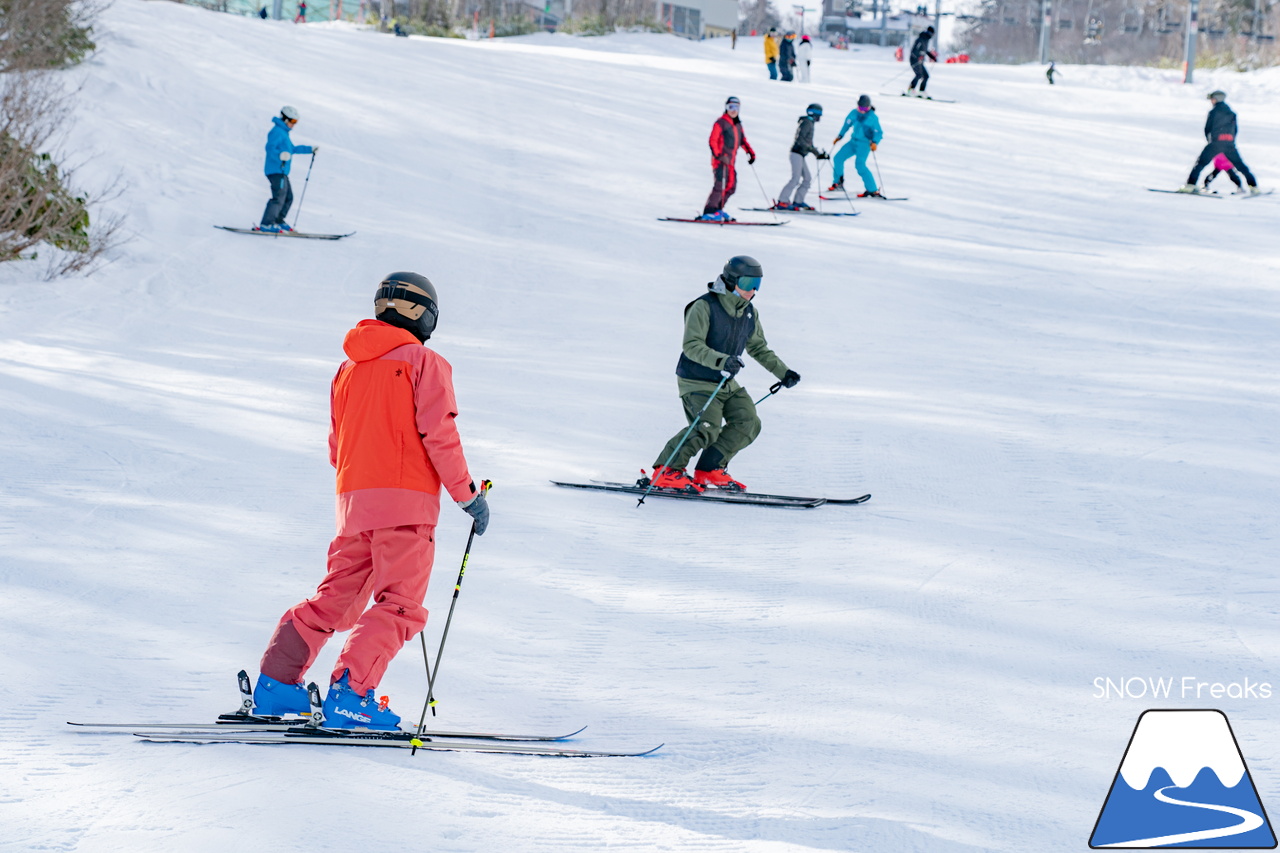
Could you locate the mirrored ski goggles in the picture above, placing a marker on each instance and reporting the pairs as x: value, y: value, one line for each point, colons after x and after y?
x: 749, y: 282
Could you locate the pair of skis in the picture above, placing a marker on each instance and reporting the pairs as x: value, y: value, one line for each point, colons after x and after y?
x: 719, y: 222
x: 861, y: 197
x: 297, y: 235
x: 724, y: 496
x: 1212, y: 193
x: 919, y: 97
x: 247, y: 728
x: 803, y: 212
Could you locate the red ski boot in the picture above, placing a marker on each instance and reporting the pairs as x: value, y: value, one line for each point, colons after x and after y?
x: 673, y: 478
x: 718, y: 479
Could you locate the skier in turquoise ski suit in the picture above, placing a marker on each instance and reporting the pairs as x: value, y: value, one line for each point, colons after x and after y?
x: 865, y: 136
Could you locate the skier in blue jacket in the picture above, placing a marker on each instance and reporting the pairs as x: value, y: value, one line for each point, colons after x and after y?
x: 865, y: 136
x: 280, y: 151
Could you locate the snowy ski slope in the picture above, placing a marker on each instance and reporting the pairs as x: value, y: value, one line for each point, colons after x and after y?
x: 1060, y: 388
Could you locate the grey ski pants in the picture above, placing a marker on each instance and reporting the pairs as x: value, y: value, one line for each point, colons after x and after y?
x: 280, y: 202
x: 799, y: 176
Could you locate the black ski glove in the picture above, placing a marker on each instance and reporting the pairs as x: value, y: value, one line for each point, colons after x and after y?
x: 751, y: 159
x: 732, y: 365
x: 823, y: 155
x: 478, y: 509
x: 791, y: 379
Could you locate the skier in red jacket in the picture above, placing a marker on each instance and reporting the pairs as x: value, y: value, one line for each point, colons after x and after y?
x: 395, y: 445
x: 727, y: 136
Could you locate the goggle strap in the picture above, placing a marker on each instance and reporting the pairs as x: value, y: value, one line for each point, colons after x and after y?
x: 394, y: 292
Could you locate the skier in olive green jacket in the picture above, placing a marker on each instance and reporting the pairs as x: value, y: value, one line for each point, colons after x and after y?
x: 718, y: 327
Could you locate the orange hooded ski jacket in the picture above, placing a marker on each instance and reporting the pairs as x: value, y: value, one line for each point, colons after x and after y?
x: 392, y: 434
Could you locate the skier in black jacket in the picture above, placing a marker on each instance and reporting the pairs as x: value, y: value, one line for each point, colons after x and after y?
x: 919, y: 51
x: 787, y: 56
x: 1220, y: 135
x: 800, y: 149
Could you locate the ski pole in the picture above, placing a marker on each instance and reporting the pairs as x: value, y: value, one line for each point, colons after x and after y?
x: 683, y: 438
x: 847, y: 198
x: 879, y: 177
x: 303, y: 197
x: 766, y: 200
x: 819, y: 159
x: 773, y: 389
x: 485, y: 485
x: 895, y: 77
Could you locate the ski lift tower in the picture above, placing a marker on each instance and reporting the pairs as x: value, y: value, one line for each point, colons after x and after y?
x: 1046, y: 28
x: 1193, y: 30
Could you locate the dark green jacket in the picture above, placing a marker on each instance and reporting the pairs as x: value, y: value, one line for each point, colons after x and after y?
x: 696, y: 324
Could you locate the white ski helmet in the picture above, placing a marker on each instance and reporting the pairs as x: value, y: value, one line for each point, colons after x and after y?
x: 290, y: 113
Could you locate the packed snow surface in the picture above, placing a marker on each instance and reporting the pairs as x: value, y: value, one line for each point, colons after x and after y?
x: 1060, y: 388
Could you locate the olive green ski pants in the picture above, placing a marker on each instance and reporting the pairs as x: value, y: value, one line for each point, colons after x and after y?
x: 740, y: 427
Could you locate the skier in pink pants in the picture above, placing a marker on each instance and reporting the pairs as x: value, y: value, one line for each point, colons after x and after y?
x: 395, y: 445
x: 1222, y: 164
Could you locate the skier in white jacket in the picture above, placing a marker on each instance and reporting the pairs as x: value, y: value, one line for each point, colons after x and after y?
x: 804, y: 54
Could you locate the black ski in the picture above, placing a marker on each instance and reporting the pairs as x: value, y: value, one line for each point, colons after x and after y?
x: 714, y: 222
x: 861, y: 198
x: 919, y: 97
x: 804, y: 212
x: 1199, y: 193
x: 299, y: 235
x: 403, y: 740
x: 710, y: 496
x: 835, y: 501
x: 267, y: 725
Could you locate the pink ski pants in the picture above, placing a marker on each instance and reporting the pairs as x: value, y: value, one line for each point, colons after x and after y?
x: 393, y: 566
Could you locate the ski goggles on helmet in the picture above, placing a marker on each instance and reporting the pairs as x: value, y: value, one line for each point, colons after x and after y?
x: 748, y: 282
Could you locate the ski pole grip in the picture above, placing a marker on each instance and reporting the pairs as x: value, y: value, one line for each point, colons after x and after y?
x: 775, y: 387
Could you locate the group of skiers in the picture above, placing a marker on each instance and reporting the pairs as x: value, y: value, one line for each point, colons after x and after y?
x: 786, y: 57
x: 728, y: 137
x: 395, y: 445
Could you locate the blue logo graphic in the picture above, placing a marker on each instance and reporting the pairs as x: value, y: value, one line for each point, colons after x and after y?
x: 1183, y: 783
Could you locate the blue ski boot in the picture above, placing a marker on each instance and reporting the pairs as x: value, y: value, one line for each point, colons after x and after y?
x: 273, y: 698
x: 346, y: 709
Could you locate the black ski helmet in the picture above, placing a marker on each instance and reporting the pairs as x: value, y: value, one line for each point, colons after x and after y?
x: 929, y: 29
x: 864, y: 100
x: 814, y: 111
x: 740, y: 266
x: 407, y: 300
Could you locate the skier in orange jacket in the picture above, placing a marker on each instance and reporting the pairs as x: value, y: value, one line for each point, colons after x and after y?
x: 395, y: 445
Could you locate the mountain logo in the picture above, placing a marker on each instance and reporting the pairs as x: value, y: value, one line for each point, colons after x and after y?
x: 1183, y: 783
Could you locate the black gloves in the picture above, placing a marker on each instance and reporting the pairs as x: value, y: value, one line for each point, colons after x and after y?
x: 478, y: 509
x: 751, y: 159
x: 791, y: 379
x: 823, y: 155
x: 732, y: 365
